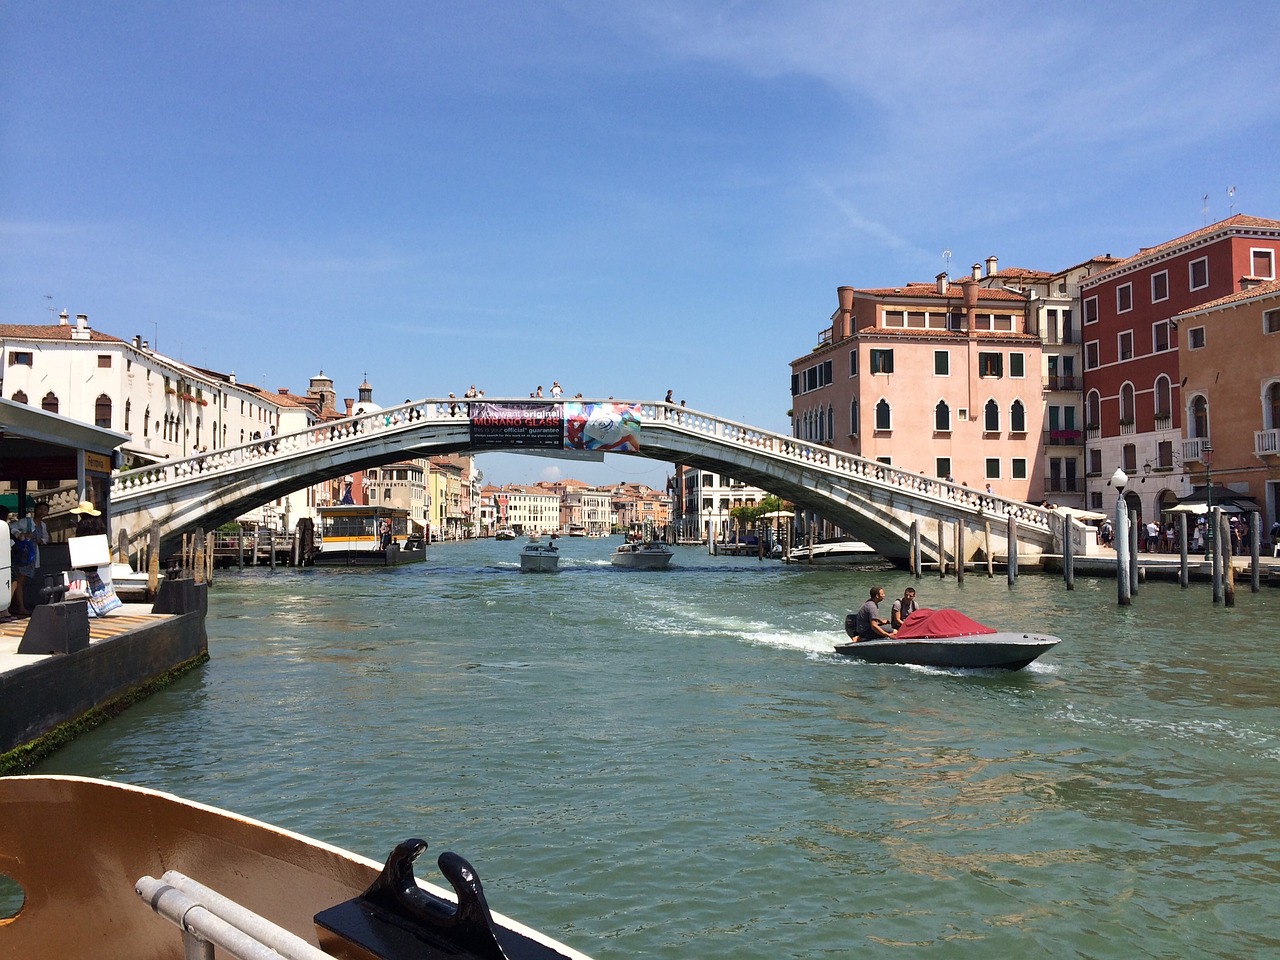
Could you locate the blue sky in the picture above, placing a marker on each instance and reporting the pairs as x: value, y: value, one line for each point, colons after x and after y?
x: 624, y: 197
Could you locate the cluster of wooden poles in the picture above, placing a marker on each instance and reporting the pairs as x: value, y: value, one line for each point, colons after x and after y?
x: 1128, y: 569
x: 915, y: 560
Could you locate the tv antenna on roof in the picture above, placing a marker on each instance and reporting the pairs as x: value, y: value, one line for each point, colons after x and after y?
x: 946, y: 260
x: 1204, y: 210
x: 1231, y: 196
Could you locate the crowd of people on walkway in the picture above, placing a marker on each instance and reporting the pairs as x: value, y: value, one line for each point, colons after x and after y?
x: 1157, y: 537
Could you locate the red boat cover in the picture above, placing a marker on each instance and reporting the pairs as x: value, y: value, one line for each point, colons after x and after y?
x: 925, y: 624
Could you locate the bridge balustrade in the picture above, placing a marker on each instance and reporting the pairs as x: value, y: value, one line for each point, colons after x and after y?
x: 847, y: 464
x: 951, y: 500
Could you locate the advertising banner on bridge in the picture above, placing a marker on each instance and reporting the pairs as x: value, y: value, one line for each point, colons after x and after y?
x: 507, y: 425
x: 605, y: 427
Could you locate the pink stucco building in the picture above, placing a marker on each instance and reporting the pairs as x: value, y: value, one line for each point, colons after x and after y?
x: 942, y: 379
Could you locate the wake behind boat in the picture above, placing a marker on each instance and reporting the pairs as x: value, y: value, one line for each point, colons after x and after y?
x: 83, y: 851
x: 642, y: 555
x: 947, y: 638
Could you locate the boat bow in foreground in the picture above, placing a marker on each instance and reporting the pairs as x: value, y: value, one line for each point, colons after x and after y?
x: 97, y: 861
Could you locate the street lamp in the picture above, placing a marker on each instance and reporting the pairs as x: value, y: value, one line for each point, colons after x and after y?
x: 1120, y: 480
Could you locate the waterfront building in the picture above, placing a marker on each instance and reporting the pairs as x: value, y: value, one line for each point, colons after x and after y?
x: 584, y: 510
x: 704, y: 502
x: 636, y: 506
x: 1138, y: 411
x: 938, y: 378
x: 528, y: 509
x: 1229, y: 359
x: 445, y: 491
x: 1055, y: 313
x: 403, y: 485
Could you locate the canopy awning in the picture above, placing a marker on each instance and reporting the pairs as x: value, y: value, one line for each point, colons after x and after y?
x: 1226, y: 498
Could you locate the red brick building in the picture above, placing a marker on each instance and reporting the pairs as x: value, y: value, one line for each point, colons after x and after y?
x: 1135, y: 406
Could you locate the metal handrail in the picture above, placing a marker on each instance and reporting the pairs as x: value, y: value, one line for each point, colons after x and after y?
x: 208, y: 919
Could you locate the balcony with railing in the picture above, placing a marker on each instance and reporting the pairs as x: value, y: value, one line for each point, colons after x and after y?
x: 1055, y: 382
x: 1194, y: 448
x: 1063, y: 438
x: 1127, y: 428
x: 1163, y: 421
x: 1266, y: 443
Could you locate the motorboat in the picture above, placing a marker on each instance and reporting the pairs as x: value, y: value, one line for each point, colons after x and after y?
x: 947, y: 638
x: 539, y: 557
x: 119, y: 872
x: 504, y: 533
x: 642, y: 555
x: 828, y: 554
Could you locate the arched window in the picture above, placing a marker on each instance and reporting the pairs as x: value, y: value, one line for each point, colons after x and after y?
x: 991, y: 417
x: 146, y: 422
x: 19, y: 397
x: 942, y: 417
x: 102, y: 412
x: 831, y: 422
x: 853, y: 418
x: 1127, y: 405
x: 1018, y: 417
x: 1271, y: 407
x: 50, y: 402
x: 1199, y: 418
x: 883, y: 419
x: 128, y: 409
x: 1093, y: 410
x: 1163, y: 397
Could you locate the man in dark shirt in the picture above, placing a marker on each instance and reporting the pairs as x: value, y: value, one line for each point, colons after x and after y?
x: 869, y: 624
x: 903, y: 608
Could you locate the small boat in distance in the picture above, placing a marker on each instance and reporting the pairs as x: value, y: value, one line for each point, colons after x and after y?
x: 642, y: 555
x: 834, y: 552
x: 504, y: 533
x: 243, y: 887
x: 539, y: 557
x: 947, y: 638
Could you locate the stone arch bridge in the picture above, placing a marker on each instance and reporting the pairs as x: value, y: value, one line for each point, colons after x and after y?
x: 873, y: 502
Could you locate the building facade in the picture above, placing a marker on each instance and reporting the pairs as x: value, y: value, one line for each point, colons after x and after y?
x: 942, y: 379
x: 1233, y: 422
x: 1137, y: 410
x: 704, y: 502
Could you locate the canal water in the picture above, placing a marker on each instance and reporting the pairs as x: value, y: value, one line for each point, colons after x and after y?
x: 675, y: 764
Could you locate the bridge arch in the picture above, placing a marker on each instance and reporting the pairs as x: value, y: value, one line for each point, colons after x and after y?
x: 875, y: 502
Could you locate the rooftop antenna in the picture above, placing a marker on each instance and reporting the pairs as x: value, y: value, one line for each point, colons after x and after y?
x: 946, y: 261
x: 49, y: 297
x: 1231, y: 196
x: 1204, y: 209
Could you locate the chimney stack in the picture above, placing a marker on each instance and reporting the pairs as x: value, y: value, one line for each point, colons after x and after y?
x: 991, y: 266
x: 842, y: 328
x: 942, y: 282
x: 977, y: 271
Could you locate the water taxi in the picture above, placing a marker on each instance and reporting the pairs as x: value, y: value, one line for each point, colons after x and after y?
x: 354, y: 535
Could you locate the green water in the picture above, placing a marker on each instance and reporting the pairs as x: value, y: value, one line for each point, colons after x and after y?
x: 674, y: 764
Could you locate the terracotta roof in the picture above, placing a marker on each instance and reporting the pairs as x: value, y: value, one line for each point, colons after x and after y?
x: 1239, y: 223
x: 1268, y: 288
x: 51, y: 331
x: 955, y: 291
x: 1020, y: 273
